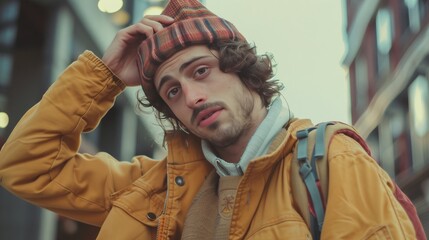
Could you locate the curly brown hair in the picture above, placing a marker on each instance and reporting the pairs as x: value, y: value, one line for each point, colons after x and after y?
x: 256, y: 72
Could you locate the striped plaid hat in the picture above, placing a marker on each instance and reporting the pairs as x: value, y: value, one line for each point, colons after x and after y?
x: 194, y: 24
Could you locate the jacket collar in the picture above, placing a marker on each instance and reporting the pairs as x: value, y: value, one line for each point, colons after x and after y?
x: 282, y: 145
x: 185, y: 148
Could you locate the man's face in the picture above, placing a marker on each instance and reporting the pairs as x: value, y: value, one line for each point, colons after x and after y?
x: 213, y: 105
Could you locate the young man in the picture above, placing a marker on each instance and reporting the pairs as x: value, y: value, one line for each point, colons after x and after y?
x: 227, y: 174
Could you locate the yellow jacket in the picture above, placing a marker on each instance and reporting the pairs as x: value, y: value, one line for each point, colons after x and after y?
x: 145, y: 199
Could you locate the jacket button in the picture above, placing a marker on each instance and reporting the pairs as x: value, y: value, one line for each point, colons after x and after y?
x: 151, y: 216
x: 179, y: 181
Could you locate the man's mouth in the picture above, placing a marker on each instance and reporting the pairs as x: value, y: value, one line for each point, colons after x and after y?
x: 207, y: 116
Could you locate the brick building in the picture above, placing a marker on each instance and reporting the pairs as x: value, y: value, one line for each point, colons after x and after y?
x: 388, y: 63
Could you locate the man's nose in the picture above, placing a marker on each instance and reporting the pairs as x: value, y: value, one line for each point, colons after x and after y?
x: 195, y: 94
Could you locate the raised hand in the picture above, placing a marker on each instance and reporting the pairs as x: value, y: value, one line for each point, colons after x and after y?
x: 122, y: 53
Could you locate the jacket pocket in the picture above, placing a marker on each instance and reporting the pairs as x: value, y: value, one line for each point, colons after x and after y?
x: 137, y: 203
x: 378, y: 233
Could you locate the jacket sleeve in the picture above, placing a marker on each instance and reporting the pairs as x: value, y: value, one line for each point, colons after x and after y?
x: 40, y: 161
x: 361, y: 202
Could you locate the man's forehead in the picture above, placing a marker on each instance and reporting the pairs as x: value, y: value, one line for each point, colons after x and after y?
x: 177, y: 60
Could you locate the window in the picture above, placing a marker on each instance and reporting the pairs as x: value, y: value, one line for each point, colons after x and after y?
x: 5, y: 69
x: 419, y: 99
x: 386, y: 151
x: 413, y: 14
x: 418, y: 94
x: 8, y: 18
x: 384, y: 30
x: 361, y: 84
x: 384, y: 34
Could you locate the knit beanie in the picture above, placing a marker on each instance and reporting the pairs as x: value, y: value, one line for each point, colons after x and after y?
x: 193, y: 24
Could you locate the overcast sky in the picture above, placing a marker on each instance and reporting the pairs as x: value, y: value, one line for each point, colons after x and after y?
x: 306, y: 39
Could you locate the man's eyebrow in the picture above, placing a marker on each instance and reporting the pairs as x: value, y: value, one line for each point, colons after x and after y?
x: 181, y: 68
x: 163, y: 81
x: 189, y: 62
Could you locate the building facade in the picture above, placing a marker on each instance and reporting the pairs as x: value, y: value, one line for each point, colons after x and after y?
x: 388, y: 63
x: 38, y: 40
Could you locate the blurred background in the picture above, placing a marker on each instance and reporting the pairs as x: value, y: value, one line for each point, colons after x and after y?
x: 364, y: 62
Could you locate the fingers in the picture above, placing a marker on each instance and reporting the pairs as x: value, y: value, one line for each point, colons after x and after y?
x: 150, y: 25
x: 121, y: 54
x: 164, y: 19
x: 156, y: 21
x: 146, y: 27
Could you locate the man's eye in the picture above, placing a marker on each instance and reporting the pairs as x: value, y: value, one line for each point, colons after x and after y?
x: 172, y: 92
x: 201, y: 71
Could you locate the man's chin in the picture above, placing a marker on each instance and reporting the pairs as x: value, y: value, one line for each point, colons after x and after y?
x: 206, y: 132
x: 214, y: 126
x: 224, y: 138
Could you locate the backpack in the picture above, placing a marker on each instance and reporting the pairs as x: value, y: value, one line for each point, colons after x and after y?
x: 311, y: 193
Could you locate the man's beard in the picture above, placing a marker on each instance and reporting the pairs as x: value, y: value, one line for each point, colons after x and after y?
x: 224, y: 136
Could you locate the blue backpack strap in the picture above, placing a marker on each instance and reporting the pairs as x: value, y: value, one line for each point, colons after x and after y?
x: 319, y: 146
x: 309, y: 175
